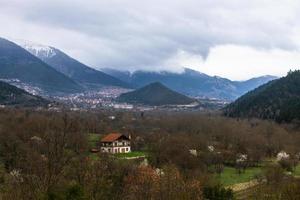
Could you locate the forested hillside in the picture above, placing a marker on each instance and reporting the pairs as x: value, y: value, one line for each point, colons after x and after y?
x: 155, y: 94
x: 11, y: 95
x: 278, y: 100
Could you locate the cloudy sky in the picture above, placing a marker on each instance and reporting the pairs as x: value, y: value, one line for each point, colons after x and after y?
x: 236, y: 39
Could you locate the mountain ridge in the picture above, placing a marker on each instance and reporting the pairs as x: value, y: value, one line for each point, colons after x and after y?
x: 191, y: 82
x: 17, y: 63
x: 86, y: 76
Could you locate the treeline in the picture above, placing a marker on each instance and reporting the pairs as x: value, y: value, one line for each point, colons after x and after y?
x: 45, y: 155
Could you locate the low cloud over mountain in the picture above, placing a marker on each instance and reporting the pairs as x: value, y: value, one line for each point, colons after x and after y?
x: 224, y: 38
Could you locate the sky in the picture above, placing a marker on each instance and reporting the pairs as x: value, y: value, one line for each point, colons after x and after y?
x: 235, y: 39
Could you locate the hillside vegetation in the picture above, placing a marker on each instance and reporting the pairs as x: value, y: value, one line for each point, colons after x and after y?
x: 277, y: 100
x: 46, y: 155
x: 11, y: 95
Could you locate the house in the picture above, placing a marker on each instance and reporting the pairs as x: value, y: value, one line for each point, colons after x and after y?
x: 115, y: 143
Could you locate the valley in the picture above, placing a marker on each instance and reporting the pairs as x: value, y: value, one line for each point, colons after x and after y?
x: 149, y: 100
x: 81, y: 133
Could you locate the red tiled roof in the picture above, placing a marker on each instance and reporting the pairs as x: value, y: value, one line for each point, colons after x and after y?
x: 111, y: 137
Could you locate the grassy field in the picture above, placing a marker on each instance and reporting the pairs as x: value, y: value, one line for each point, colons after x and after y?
x: 131, y: 154
x: 297, y: 171
x: 95, y: 156
x: 231, y: 177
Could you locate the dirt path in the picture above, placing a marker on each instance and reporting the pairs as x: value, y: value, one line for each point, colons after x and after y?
x: 243, y: 191
x: 243, y: 186
x: 132, y: 158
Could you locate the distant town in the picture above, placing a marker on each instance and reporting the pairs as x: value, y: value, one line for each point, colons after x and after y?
x: 104, y: 98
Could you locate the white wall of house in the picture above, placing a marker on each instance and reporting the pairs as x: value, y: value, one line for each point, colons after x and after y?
x: 120, y: 146
x: 125, y: 149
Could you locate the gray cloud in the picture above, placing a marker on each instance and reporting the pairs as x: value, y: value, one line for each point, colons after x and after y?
x: 131, y: 34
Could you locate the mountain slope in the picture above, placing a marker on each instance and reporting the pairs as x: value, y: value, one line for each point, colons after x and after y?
x: 82, y: 74
x: 155, y: 94
x: 278, y: 100
x: 11, y: 95
x: 191, y: 82
x: 248, y: 85
x: 17, y: 63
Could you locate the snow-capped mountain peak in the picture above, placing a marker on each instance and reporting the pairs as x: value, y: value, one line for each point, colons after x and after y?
x: 39, y: 50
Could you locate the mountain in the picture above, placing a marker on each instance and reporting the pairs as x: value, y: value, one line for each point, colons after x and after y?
x: 122, y: 75
x: 155, y: 94
x: 277, y: 100
x: 13, y: 96
x: 191, y: 82
x: 87, y: 77
x: 246, y: 86
x: 17, y: 63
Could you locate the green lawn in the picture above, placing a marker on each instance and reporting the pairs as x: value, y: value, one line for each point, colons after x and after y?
x: 131, y: 154
x: 297, y: 171
x: 231, y: 177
